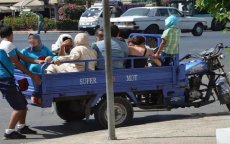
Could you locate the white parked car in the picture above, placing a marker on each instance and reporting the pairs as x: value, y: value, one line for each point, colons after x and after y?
x: 91, y: 19
x: 151, y: 20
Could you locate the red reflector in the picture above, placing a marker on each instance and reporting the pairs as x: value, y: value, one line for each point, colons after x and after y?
x: 36, y: 100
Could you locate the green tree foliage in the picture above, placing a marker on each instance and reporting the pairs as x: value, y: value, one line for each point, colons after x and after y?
x: 27, y: 21
x: 219, y: 8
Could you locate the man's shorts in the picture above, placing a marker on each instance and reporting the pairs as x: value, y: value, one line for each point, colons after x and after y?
x: 12, y: 94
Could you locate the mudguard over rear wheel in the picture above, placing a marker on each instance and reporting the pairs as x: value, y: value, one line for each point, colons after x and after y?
x: 71, y: 110
x: 123, y: 112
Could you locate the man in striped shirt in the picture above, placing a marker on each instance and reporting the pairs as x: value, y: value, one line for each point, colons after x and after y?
x: 169, y: 46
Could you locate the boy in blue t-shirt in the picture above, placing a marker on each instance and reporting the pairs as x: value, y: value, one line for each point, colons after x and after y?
x: 6, y: 61
x: 9, y: 55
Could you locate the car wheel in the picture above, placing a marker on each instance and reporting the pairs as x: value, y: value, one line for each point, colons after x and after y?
x: 152, y: 29
x: 71, y: 110
x: 228, y: 106
x: 198, y: 30
x: 217, y: 26
x: 123, y: 112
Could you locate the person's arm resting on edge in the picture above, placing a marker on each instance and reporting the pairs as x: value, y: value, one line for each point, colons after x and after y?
x: 162, y: 45
x: 20, y: 66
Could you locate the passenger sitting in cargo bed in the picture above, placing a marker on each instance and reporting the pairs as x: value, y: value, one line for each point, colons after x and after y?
x: 82, y: 51
x: 36, y: 50
x: 119, y: 50
x: 137, y: 48
x: 63, y: 45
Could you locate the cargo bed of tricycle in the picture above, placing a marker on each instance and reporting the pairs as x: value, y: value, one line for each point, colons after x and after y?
x: 77, y: 95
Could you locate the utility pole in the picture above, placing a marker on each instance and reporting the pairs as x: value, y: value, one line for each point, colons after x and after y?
x: 108, y: 71
x: 56, y: 12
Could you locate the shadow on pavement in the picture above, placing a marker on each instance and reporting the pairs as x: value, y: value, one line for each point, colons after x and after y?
x: 162, y: 118
x: 69, y: 128
x: 72, y: 128
x: 169, y: 137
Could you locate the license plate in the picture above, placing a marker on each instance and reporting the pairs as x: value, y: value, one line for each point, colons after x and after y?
x: 85, y: 24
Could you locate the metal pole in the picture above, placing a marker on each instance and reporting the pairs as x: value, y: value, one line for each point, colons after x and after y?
x: 56, y: 15
x: 108, y: 71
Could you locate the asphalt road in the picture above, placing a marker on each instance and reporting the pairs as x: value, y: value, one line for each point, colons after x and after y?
x: 49, y: 125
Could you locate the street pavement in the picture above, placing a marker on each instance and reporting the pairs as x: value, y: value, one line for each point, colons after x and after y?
x: 190, y: 130
x: 50, y: 126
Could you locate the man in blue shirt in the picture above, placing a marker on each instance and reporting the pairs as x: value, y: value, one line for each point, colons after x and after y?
x: 119, y: 49
x: 9, y: 55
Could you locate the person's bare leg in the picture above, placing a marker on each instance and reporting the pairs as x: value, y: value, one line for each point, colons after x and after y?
x: 11, y: 132
x: 22, y: 119
x: 14, y: 118
x: 21, y: 127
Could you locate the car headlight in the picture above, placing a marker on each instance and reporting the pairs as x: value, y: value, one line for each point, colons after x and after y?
x: 80, y: 23
x: 94, y: 23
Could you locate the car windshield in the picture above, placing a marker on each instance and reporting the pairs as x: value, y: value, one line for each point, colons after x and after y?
x: 136, y: 12
x: 91, y: 12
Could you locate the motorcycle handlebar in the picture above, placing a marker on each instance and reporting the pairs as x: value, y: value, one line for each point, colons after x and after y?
x: 221, y: 45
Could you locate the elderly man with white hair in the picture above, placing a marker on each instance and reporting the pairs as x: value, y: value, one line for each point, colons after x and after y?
x: 81, y: 51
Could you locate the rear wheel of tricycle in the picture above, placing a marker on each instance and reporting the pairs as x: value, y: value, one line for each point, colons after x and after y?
x: 71, y: 110
x: 123, y: 112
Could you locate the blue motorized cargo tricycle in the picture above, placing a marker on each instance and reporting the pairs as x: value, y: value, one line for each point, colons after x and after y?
x: 196, y: 80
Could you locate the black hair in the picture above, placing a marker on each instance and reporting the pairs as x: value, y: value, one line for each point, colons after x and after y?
x: 137, y: 40
x: 66, y: 38
x: 114, y: 31
x: 99, y: 30
x: 6, y: 31
x: 119, y: 3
